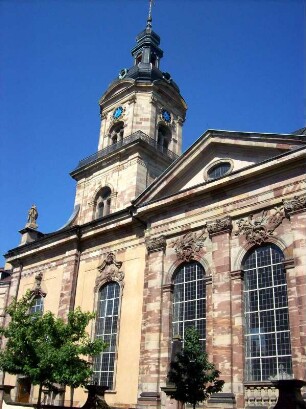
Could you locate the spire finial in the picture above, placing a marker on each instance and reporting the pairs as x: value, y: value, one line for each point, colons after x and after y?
x: 149, y: 21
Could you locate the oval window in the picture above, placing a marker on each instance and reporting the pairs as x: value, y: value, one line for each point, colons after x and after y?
x: 219, y: 170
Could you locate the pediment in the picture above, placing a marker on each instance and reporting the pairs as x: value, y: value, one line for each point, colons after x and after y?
x: 116, y: 88
x: 237, y: 150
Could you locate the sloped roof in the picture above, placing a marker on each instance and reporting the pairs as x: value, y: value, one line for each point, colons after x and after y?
x: 242, y: 149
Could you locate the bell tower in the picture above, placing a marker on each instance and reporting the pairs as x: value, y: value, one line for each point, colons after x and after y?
x: 142, y: 114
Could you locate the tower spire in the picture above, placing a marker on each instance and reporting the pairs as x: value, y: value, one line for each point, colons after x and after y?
x: 149, y: 20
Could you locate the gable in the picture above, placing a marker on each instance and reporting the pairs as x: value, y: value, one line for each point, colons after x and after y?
x: 233, y: 150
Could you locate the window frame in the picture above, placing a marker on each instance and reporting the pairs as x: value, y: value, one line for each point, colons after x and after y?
x: 217, y: 163
x: 112, y: 354
x: 264, y: 302
x: 200, y: 301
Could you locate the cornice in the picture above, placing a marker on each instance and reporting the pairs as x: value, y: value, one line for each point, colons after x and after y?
x: 118, y: 155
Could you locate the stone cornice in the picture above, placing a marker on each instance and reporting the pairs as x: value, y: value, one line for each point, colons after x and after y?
x: 144, y: 200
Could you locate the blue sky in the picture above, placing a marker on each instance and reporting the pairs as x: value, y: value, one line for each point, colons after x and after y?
x: 240, y: 65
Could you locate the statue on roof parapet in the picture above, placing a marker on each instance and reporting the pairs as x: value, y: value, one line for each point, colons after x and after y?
x: 32, y: 217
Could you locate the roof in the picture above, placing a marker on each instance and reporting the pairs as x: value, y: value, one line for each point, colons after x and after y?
x: 301, y: 131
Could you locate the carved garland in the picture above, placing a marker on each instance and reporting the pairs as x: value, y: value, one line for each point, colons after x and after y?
x: 259, y: 228
x: 187, y: 246
x: 109, y: 270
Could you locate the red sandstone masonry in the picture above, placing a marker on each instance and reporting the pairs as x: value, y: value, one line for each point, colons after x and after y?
x: 298, y: 315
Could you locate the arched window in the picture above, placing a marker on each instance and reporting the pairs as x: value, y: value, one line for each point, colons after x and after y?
x: 103, y: 203
x: 267, y: 333
x: 116, y: 133
x: 38, y: 305
x: 106, y: 330
x: 189, y: 300
x: 163, y: 137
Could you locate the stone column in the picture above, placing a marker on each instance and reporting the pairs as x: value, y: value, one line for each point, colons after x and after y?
x: 219, y: 232
x: 296, y: 280
x: 151, y: 341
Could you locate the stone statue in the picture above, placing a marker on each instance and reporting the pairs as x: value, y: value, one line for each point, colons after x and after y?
x: 32, y: 217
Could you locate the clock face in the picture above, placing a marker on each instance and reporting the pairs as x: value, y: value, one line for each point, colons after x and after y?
x: 117, y: 113
x: 166, y: 115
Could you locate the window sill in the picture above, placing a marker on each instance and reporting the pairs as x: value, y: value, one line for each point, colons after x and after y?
x: 258, y: 383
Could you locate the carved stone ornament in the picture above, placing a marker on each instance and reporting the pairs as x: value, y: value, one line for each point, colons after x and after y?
x: 109, y: 270
x: 295, y: 204
x: 156, y: 244
x: 37, y: 291
x: 219, y: 226
x: 258, y: 229
x: 188, y: 245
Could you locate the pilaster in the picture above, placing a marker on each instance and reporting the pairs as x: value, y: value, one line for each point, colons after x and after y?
x: 220, y: 231
x: 69, y: 281
x: 151, y: 342
x: 295, y: 209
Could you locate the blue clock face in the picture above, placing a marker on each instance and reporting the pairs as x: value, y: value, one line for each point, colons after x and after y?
x: 118, y: 112
x: 166, y: 115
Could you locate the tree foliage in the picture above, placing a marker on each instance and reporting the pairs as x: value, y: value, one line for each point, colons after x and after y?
x: 45, y: 348
x: 194, y: 377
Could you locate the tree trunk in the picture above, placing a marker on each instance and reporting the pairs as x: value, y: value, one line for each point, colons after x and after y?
x: 71, y: 395
x: 39, y: 396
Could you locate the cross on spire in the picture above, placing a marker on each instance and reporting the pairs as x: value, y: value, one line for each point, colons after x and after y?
x: 149, y: 21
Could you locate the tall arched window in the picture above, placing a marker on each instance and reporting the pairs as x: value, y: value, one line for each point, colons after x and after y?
x: 106, y: 330
x: 103, y: 203
x: 267, y: 333
x: 189, y: 300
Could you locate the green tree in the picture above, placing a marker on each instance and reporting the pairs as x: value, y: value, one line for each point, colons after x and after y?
x: 45, y: 348
x: 193, y: 376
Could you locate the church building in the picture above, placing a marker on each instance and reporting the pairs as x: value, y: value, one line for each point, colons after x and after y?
x: 161, y: 240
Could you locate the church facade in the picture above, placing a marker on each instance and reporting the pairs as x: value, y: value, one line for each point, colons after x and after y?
x: 159, y: 241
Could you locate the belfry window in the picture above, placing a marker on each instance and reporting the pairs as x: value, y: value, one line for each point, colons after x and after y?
x: 116, y: 133
x: 267, y: 332
x: 163, y: 137
x: 138, y: 58
x: 103, y: 203
x: 189, y: 300
x: 153, y: 60
x: 106, y: 330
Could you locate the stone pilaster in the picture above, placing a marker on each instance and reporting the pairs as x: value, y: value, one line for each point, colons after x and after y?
x: 68, y: 287
x: 152, y: 360
x: 237, y: 336
x: 295, y: 209
x: 219, y: 232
